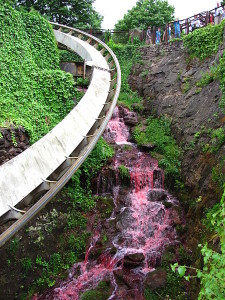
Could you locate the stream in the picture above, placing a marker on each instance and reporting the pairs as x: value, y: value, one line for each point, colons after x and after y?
x: 140, y: 228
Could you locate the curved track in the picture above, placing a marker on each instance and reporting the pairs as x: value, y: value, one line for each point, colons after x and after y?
x: 42, y: 170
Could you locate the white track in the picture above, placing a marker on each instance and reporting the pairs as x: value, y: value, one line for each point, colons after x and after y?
x: 59, y: 153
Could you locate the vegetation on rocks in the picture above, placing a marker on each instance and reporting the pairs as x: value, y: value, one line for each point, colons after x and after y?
x: 213, y: 271
x: 127, y: 55
x: 66, y: 55
x: 32, y: 87
x: 205, y: 42
x: 167, y: 152
x: 67, y: 216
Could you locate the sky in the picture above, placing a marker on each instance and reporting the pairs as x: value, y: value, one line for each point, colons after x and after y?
x: 114, y: 10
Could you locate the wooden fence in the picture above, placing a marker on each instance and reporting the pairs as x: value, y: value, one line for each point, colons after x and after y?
x: 204, y: 18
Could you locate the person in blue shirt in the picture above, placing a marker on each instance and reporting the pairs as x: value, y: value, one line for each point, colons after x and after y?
x: 177, y: 28
x: 158, y: 36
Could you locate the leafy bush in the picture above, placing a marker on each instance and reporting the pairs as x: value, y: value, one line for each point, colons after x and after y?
x: 213, y: 272
x: 34, y: 92
x: 82, y: 82
x: 166, y: 150
x: 79, y: 200
x: 218, y: 174
x: 204, y: 42
x: 127, y: 55
x: 66, y: 55
x: 124, y: 172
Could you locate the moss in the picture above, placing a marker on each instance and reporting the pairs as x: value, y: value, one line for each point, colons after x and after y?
x: 102, y: 292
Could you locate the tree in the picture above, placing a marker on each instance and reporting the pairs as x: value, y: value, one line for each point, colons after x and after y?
x: 77, y: 13
x: 146, y: 13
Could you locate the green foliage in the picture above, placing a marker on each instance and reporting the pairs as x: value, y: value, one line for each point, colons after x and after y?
x: 75, y: 13
x: 100, y: 154
x: 34, y: 92
x: 14, y: 245
x: 82, y: 81
x: 158, y: 133
x: 124, y: 172
x: 186, y: 87
x: 127, y: 55
x: 70, y: 248
x: 101, y: 292
x: 146, y: 13
x: 27, y: 264
x: 218, y: 174
x: 193, y: 142
x: 174, y: 289
x: 217, y: 139
x: 204, y: 42
x: 66, y: 55
x: 78, y: 243
x: 207, y: 78
x: 213, y: 271
x: 220, y: 75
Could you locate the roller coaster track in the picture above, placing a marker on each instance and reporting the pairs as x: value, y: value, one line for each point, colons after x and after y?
x: 35, y: 176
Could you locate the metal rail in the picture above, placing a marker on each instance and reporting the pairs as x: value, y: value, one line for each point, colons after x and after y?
x: 89, y: 141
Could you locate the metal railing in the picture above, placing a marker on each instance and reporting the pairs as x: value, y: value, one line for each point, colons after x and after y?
x: 205, y: 18
x: 61, y: 175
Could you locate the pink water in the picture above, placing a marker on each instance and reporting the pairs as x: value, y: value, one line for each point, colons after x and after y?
x: 143, y: 225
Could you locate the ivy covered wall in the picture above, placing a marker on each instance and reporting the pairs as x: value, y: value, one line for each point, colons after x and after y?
x: 34, y: 92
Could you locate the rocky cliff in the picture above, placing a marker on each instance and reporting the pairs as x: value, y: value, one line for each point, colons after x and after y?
x: 168, y: 80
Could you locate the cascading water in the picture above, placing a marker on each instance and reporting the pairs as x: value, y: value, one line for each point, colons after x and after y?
x: 139, y: 228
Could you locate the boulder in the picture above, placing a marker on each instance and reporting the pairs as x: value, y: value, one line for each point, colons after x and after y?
x: 155, y: 279
x: 156, y: 195
x: 133, y: 260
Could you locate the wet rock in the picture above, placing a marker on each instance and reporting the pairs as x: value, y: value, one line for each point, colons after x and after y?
x: 127, y: 279
x: 132, y: 295
x: 133, y: 260
x: 153, y: 259
x: 130, y: 118
x: 125, y: 219
x: 147, y: 147
x: 175, y: 216
x: 156, y: 195
x: 8, y: 147
x: 159, y: 216
x: 155, y: 279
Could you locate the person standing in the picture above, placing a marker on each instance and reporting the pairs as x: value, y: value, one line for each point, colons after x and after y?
x: 195, y: 23
x: 218, y: 14
x: 168, y: 33
x: 177, y: 28
x: 148, y: 36
x: 223, y: 13
x: 158, y: 36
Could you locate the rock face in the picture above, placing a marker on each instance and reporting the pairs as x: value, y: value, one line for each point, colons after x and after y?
x: 13, y: 141
x: 169, y: 88
x: 155, y: 279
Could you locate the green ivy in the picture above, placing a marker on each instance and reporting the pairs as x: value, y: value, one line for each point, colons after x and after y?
x: 213, y: 272
x: 66, y: 55
x: 34, y: 92
x: 204, y: 42
x: 127, y: 55
x: 124, y: 172
x: 166, y: 150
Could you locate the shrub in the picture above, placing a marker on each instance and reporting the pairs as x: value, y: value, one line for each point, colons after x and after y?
x: 34, y: 92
